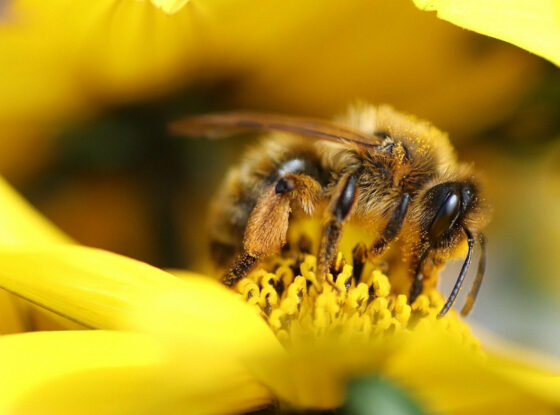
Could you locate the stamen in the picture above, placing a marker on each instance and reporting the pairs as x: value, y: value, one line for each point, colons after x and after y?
x: 287, y: 294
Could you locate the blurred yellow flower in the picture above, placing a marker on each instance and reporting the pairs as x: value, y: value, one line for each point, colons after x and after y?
x: 97, y: 53
x: 107, y: 52
x: 170, y: 6
x: 64, y: 61
x: 530, y: 24
x: 189, y: 345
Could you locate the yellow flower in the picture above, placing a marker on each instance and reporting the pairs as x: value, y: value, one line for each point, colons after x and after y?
x: 21, y: 225
x: 530, y: 24
x: 189, y: 345
x: 105, y: 53
x: 170, y: 6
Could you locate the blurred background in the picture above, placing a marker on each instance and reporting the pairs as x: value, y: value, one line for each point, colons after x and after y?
x: 87, y: 89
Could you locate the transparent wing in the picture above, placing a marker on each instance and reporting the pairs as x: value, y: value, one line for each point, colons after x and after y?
x: 224, y: 124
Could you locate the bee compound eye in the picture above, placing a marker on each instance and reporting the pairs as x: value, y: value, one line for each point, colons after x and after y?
x: 445, y: 217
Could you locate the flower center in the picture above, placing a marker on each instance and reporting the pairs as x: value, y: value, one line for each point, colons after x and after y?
x: 357, y: 302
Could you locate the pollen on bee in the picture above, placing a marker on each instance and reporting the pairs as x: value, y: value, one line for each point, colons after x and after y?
x: 356, y: 305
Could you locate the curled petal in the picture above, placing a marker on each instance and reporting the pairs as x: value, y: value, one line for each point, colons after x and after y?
x: 531, y: 25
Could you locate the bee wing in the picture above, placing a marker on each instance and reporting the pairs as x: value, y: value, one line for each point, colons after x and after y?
x: 223, y: 124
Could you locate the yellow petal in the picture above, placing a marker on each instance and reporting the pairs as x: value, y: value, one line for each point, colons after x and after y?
x: 448, y: 377
x: 98, y: 372
x: 122, y: 49
x: 315, y: 376
x: 290, y: 64
x: 205, y: 328
x: 10, y: 317
x: 90, y: 286
x: 21, y: 224
x: 110, y: 50
x: 203, y: 311
x: 36, y: 77
x: 442, y: 374
x: 130, y: 48
x: 540, y: 383
x: 96, y: 52
x: 105, y: 290
x: 170, y: 6
x: 530, y: 24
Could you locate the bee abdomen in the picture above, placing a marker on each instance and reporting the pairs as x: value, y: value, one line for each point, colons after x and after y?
x: 300, y: 165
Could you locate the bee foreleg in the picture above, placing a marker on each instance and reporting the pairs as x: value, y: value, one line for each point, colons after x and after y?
x: 267, y: 227
x: 418, y: 280
x: 392, y: 228
x: 343, y: 199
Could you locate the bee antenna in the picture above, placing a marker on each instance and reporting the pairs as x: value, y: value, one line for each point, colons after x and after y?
x: 471, y: 297
x: 457, y: 287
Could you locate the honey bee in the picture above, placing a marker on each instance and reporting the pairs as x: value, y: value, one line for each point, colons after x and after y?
x: 391, y: 173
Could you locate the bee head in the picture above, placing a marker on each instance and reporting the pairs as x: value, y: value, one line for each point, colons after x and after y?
x: 452, y: 211
x: 450, y: 207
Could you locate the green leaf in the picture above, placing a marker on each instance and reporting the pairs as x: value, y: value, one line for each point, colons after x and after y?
x: 374, y: 395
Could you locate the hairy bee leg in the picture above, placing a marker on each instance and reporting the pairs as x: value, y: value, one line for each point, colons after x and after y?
x: 344, y: 198
x: 239, y: 269
x: 471, y: 297
x: 457, y: 287
x: 267, y: 227
x: 392, y: 228
x: 359, y: 255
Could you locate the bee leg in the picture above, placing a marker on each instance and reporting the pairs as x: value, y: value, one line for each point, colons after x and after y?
x: 267, y: 227
x: 392, y: 228
x: 340, y: 206
x: 241, y: 266
x: 418, y: 280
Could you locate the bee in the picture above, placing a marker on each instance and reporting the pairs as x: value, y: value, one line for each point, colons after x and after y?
x: 391, y: 173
